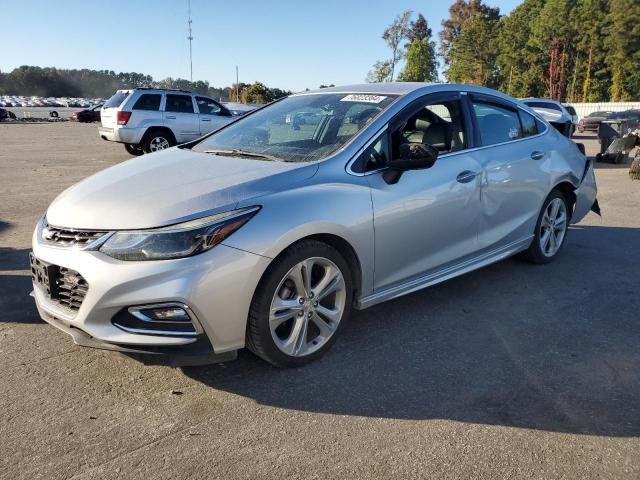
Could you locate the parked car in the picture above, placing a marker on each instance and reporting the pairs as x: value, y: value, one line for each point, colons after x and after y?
x: 630, y: 118
x: 574, y: 116
x: 6, y: 115
x: 591, y: 122
x: 553, y: 112
x: 88, y: 115
x: 148, y: 120
x: 262, y: 235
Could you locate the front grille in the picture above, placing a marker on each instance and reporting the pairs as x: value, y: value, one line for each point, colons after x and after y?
x: 65, y: 237
x: 72, y: 288
x: 60, y: 285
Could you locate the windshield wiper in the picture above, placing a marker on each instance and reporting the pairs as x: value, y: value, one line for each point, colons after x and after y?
x: 243, y: 153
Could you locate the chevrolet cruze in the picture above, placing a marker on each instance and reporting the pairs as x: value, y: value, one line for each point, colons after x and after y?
x: 267, y: 232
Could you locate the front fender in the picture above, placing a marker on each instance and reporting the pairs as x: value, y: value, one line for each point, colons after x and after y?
x: 340, y: 209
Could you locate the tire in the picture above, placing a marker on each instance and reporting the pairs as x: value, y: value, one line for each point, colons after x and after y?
x: 543, y: 251
x: 133, y: 149
x: 271, y: 336
x: 155, y: 140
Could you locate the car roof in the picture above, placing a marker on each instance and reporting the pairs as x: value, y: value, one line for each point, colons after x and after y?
x: 404, y: 88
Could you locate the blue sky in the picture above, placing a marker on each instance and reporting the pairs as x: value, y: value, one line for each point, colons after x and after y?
x: 283, y: 43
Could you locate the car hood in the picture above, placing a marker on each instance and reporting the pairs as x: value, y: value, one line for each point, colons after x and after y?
x: 167, y: 187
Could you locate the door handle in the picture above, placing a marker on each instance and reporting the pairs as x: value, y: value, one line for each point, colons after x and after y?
x: 537, y: 155
x: 466, y: 176
x: 172, y: 117
x: 205, y: 119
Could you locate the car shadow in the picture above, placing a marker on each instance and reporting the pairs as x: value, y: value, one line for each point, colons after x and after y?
x: 551, y: 347
x: 16, y: 306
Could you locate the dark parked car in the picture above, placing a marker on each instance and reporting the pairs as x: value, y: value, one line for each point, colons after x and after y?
x: 6, y: 115
x: 630, y: 118
x: 88, y: 115
x: 591, y: 122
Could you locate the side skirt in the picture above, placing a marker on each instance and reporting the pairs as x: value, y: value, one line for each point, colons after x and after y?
x: 445, y: 274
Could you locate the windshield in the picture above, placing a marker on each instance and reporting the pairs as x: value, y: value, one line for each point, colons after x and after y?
x: 299, y: 128
x: 548, y: 105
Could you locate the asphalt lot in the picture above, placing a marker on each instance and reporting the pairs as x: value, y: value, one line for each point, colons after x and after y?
x: 513, y: 371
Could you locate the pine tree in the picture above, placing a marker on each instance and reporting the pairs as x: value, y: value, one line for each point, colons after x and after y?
x: 623, y: 43
x: 421, y: 63
x: 473, y: 53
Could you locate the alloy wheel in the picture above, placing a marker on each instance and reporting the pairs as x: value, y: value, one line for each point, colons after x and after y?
x: 307, y: 306
x: 158, y: 143
x: 553, y: 227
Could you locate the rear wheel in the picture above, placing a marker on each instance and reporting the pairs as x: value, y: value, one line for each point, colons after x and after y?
x: 156, y: 140
x: 551, y: 229
x: 133, y: 149
x: 300, y: 305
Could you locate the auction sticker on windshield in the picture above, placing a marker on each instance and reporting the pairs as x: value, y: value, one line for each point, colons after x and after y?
x: 363, y: 98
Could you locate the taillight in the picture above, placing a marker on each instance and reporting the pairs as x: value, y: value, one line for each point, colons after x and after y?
x: 123, y: 117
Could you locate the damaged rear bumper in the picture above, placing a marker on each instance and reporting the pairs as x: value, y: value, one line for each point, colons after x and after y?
x: 586, y: 195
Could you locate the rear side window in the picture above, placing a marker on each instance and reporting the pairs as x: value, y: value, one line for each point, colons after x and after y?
x: 148, y: 101
x: 116, y: 99
x: 207, y: 106
x: 497, y: 124
x: 179, y: 103
x: 529, y: 126
x: 547, y: 105
x: 570, y: 109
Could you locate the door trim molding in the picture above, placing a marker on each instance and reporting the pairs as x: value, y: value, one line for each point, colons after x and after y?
x: 444, y: 274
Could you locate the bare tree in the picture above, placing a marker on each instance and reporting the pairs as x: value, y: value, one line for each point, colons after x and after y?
x: 394, y: 35
x: 380, y: 72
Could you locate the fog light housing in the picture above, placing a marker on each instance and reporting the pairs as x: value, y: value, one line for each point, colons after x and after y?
x: 166, y: 319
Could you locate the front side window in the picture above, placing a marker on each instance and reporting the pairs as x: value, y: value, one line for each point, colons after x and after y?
x: 148, y: 101
x: 207, y: 106
x: 497, y: 124
x: 439, y: 124
x: 300, y: 128
x: 179, y: 103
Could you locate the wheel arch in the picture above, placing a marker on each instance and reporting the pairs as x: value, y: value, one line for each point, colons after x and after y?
x: 157, y: 128
x: 568, y: 190
x: 342, y: 246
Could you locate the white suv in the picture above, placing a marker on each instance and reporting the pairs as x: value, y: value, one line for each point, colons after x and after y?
x: 147, y: 120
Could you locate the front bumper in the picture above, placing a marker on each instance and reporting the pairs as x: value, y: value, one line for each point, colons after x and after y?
x: 217, y: 285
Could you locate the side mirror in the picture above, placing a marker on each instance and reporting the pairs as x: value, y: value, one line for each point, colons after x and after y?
x: 413, y: 156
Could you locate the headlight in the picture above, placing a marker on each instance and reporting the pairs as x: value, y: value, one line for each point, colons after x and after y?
x: 176, y: 241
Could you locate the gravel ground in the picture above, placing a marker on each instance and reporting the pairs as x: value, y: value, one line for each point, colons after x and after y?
x: 513, y: 371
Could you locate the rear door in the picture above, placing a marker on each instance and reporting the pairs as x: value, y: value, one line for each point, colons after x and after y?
x: 211, y: 114
x: 145, y: 110
x: 181, y: 117
x: 515, y: 163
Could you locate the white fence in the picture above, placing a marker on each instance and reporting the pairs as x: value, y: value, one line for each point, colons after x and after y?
x: 584, y: 109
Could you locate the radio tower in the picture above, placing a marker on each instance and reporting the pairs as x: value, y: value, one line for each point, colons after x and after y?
x: 190, y: 38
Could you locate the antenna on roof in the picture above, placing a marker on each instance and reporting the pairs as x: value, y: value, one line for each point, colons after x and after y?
x: 190, y: 38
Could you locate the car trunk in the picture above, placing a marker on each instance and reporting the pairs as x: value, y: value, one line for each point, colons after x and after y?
x: 109, y: 112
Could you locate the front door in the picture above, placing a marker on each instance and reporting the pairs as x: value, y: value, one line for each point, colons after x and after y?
x: 211, y: 115
x: 429, y: 219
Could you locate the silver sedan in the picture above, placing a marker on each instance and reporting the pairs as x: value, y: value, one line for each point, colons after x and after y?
x: 267, y: 232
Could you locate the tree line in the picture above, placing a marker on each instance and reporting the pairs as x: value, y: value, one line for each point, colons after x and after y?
x: 568, y: 50
x: 85, y: 83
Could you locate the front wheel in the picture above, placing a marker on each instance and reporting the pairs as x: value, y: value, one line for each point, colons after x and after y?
x: 133, y: 149
x: 551, y: 229
x: 300, y: 305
